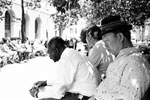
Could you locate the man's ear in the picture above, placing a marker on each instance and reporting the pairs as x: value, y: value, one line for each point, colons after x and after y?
x: 120, y: 36
x: 56, y: 51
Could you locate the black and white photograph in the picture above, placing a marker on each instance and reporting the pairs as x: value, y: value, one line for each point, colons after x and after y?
x: 74, y: 49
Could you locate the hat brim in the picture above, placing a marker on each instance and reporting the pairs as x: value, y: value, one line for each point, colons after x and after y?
x: 114, y: 26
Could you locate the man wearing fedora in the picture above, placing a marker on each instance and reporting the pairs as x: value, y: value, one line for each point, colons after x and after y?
x: 128, y: 77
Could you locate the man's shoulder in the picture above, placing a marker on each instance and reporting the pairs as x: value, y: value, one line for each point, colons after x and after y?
x: 100, y: 42
x: 70, y: 53
x: 136, y: 59
x: 100, y: 45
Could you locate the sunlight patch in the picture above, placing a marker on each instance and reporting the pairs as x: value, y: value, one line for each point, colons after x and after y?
x: 134, y: 83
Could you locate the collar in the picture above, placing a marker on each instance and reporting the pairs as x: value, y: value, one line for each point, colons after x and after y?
x: 127, y: 51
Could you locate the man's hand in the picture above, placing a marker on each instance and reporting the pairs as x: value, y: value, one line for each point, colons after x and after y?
x: 40, y: 84
x: 34, y: 92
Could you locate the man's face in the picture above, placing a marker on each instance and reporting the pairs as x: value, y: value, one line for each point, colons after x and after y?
x: 112, y: 42
x: 88, y: 39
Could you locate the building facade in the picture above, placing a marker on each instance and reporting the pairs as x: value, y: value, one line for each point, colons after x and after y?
x: 38, y: 24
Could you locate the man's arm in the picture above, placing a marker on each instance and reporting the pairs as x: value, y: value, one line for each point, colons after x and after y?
x: 64, y: 79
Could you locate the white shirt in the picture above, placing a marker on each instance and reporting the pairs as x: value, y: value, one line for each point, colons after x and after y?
x: 100, y: 57
x: 74, y: 73
x: 127, y: 78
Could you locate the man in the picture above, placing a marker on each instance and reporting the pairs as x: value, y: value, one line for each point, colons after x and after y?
x: 128, y: 77
x: 75, y: 80
x: 99, y: 56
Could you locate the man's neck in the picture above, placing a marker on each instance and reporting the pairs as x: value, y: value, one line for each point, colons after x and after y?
x: 127, y: 45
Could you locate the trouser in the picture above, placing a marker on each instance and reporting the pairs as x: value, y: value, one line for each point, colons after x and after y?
x: 70, y: 96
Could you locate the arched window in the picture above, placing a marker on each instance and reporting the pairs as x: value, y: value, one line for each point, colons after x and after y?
x: 24, y: 27
x: 7, y: 24
x: 36, y: 28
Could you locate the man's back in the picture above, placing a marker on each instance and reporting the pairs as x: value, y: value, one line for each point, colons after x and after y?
x: 74, y: 74
x: 81, y: 71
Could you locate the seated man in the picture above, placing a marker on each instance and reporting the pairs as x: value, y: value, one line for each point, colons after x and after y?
x: 99, y: 56
x: 76, y: 77
x: 128, y: 76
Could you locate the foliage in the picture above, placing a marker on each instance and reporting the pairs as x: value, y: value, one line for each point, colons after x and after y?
x: 67, y: 15
x: 4, y: 4
x: 60, y: 20
x: 65, y: 20
x: 88, y: 11
x: 64, y: 5
x: 133, y: 11
x: 33, y: 4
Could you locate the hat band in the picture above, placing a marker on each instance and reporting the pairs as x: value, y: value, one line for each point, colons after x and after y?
x: 114, y: 26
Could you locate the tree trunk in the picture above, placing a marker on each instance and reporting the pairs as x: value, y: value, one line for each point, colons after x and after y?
x: 142, y: 30
x: 22, y: 23
x: 60, y: 30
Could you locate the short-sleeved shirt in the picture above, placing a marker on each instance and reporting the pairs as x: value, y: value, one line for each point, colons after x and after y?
x: 100, y: 57
x: 127, y: 78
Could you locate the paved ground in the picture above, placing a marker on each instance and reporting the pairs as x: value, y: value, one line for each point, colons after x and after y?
x: 17, y: 79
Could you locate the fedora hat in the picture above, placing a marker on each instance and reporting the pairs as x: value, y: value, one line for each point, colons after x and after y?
x: 113, y: 23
